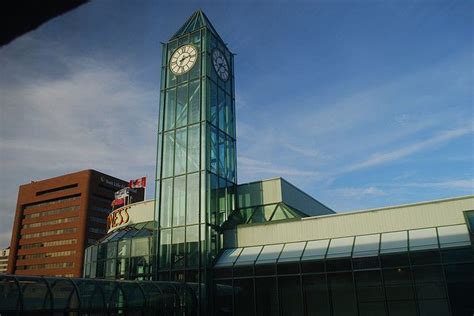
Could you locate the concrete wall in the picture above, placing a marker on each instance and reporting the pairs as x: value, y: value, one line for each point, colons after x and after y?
x: 404, y: 217
x: 259, y: 193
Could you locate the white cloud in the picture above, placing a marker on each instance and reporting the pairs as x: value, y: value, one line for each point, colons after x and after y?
x: 359, y: 193
x: 94, y: 117
x: 252, y: 169
x: 380, y: 158
x: 463, y: 184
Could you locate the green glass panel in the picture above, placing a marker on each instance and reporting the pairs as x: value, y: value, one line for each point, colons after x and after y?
x: 182, y: 106
x: 214, y: 148
x: 192, y: 245
x: 124, y: 248
x: 203, y: 197
x: 222, y: 196
x: 166, y: 203
x: 184, y: 39
x: 157, y: 198
x: 193, y: 148
x: 233, y: 163
x: 194, y: 104
x: 168, y: 154
x: 123, y: 266
x: 228, y: 158
x: 213, y: 200
x: 158, y: 156
x: 140, y: 246
x: 180, y: 152
x: 229, y: 116
x: 262, y: 213
x: 192, y: 199
x: 161, y: 114
x: 177, y: 248
x: 282, y: 213
x: 172, y: 45
x: 203, y: 99
x: 211, y: 72
x: 171, y: 80
x: 245, y: 214
x: 230, y: 197
x: 222, y: 154
x: 165, y: 248
x: 182, y: 78
x: 170, y: 109
x: 222, y: 109
x: 163, y: 78
x: 140, y: 265
x: 213, y: 103
x: 164, y: 55
x: 191, y: 26
x: 230, y: 82
x: 179, y: 201
x: 203, y: 238
x: 195, y: 72
x: 204, y: 145
x: 110, y: 268
x: 196, y: 38
x: 470, y: 221
x: 111, y: 250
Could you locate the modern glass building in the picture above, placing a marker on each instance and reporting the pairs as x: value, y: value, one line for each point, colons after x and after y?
x: 266, y: 247
x: 415, y: 259
x: 196, y: 164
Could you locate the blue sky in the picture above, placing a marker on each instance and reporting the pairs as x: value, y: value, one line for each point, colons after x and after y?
x: 361, y: 104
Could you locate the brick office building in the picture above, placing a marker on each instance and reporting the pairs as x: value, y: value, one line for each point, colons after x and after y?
x: 57, y: 218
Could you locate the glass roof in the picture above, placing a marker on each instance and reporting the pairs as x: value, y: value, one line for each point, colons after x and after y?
x: 248, y: 255
x: 270, y: 253
x: 367, y: 245
x: 132, y: 231
x: 292, y: 252
x: 261, y: 214
x: 355, y: 246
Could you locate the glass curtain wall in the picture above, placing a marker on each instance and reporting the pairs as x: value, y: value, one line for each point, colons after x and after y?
x: 123, y: 254
x: 430, y: 282
x: 196, y: 171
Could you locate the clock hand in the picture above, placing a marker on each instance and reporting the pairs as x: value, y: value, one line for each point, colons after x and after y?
x: 184, y: 57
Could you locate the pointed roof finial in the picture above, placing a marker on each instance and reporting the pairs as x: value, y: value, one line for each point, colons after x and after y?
x: 196, y: 21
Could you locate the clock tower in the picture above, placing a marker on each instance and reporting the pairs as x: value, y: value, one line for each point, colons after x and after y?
x: 196, y: 156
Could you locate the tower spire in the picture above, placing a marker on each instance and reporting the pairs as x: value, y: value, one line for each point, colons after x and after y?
x: 196, y: 21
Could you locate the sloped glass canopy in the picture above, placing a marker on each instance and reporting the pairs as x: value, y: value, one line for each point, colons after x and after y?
x: 133, y: 231
x: 263, y: 213
x: 356, y: 246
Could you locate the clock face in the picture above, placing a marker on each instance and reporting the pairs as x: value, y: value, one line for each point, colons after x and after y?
x: 220, y: 64
x: 183, y: 59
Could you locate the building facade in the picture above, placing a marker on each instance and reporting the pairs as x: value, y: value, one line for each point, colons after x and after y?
x: 57, y: 218
x: 413, y: 259
x: 266, y: 247
x: 4, y: 259
x: 196, y: 161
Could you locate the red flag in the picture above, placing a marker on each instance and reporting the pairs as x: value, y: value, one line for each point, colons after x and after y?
x: 138, y: 183
x: 118, y: 202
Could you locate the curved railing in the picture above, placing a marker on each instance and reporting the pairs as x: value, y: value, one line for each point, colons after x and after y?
x: 27, y: 295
